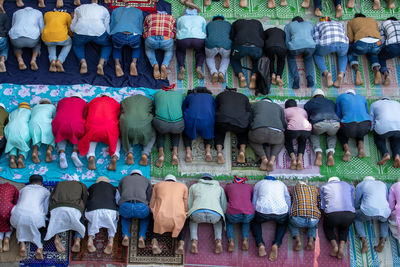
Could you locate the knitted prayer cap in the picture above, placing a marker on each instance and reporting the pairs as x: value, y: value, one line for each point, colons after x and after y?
x: 207, y: 176
x: 137, y: 172
x: 35, y: 178
x: 170, y: 177
x: 239, y: 180
x: 334, y: 179
x: 318, y: 92
x: 102, y: 179
x: 24, y: 105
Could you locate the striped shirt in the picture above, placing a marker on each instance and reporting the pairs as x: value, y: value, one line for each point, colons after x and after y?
x: 305, y: 201
x: 390, y: 32
x: 330, y: 32
x: 159, y: 24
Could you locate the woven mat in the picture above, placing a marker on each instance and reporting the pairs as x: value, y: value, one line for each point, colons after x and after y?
x: 329, y: 9
x: 144, y: 256
x: 383, y: 13
x: 167, y: 167
x: 144, y: 5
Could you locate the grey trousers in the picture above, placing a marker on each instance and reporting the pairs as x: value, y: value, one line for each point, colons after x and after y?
x: 265, y: 135
x: 329, y: 128
x: 205, y: 217
x: 165, y: 127
x: 22, y: 42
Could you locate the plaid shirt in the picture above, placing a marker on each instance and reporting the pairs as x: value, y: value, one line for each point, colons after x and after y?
x: 330, y: 32
x: 159, y: 24
x: 390, y: 32
x: 305, y: 201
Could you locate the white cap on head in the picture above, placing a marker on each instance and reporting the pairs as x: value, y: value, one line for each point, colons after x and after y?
x: 77, y: 94
x: 350, y: 91
x: 137, y: 172
x: 170, y: 177
x: 318, y: 92
x: 369, y: 178
x: 2, y: 105
x: 334, y: 179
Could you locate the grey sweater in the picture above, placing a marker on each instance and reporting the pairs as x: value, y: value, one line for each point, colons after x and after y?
x: 267, y: 114
x: 135, y: 187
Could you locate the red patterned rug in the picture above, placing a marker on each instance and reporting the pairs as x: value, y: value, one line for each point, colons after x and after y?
x: 144, y: 5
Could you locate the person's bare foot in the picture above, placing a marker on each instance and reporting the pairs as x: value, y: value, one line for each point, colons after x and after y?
x: 361, y: 151
x: 396, y: 163
x: 39, y: 254
x: 109, y: 248
x: 221, y: 77
x: 241, y: 157
x: 331, y: 160
x: 53, y: 67
x: 156, y: 72
x: 174, y: 159
x: 364, y: 245
x: 231, y: 246
x: 92, y: 163
x: 133, y: 70
x: 77, y: 2
x: 386, y: 78
x: 245, y: 244
x: 297, y: 246
x: 261, y: 251
x: 49, y: 156
x: 83, y: 69
x: 2, y: 65
x: 22, y: 249
x: 90, y: 246
x: 221, y: 159
x: 100, y: 70
x: 57, y: 243
x: 6, y: 244
x: 310, y: 244
x: 35, y: 156
x: 339, y: 80
x: 141, y: 243
x: 214, y: 78
x: 300, y: 163
x: 271, y: 3
x: 113, y: 164
x: 164, y: 72
x: 76, y: 248
x: 160, y: 161
x: 317, y: 12
x: 209, y: 157
x: 350, y: 3
x: 34, y: 66
x: 143, y: 160
x: 377, y: 77
x: 318, y: 159
x: 59, y: 3
x: 270, y: 165
x: 12, y: 163
x: 193, y: 247
x: 380, y: 246
x: 329, y: 81
x: 293, y: 163
x: 207, y: 2
x: 125, y: 241
x: 392, y: 5
x: 181, y: 248
x: 339, y: 11
x: 188, y: 156
x: 226, y: 3
x: 218, y: 246
x: 199, y: 73
x: 384, y: 159
x: 181, y: 74
x: 19, y: 3
x: 1, y: 246
x: 118, y: 70
x: 253, y: 79
x: 264, y: 164
x: 359, y: 80
x: 342, y: 247
x: 334, y: 249
x: 21, y: 65
x: 243, y: 3
x: 41, y: 4
x: 279, y: 81
x: 283, y: 3
x: 305, y: 4
x: 376, y: 5
x: 274, y: 253
x: 129, y: 159
x: 273, y: 78
x: 242, y: 80
x: 347, y: 155
x: 59, y: 66
x: 20, y: 162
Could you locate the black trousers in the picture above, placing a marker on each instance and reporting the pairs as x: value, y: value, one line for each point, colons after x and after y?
x: 394, y: 140
x: 300, y: 136
x: 180, y: 237
x: 340, y: 220
x: 221, y: 128
x: 356, y: 130
x: 278, y: 53
x: 187, y: 142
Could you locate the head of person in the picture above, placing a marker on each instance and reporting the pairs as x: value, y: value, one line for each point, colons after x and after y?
x: 231, y: 89
x: 45, y: 101
x: 290, y: 103
x: 206, y: 176
x: 271, y: 178
x: 191, y: 11
x: 77, y: 94
x: 392, y: 18
x: 239, y: 180
x: 137, y: 172
x: 350, y: 91
x: 218, y: 17
x: 103, y: 179
x: 334, y: 179
x: 318, y: 93
x: 170, y: 178
x: 24, y: 105
x: 359, y: 15
x: 36, y: 179
x: 298, y: 19
x: 199, y: 90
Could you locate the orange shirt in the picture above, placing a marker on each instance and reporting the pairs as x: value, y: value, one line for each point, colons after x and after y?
x: 56, y: 26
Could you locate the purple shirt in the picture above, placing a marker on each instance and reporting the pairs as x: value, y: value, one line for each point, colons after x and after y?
x: 239, y: 199
x: 337, y: 196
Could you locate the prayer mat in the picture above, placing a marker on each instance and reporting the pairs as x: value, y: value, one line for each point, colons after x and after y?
x: 144, y: 5
x: 99, y: 258
x: 138, y: 256
x: 329, y: 9
x: 167, y: 167
x: 13, y: 254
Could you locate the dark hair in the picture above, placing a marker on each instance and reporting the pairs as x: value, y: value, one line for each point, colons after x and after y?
x: 290, y: 103
x: 230, y: 89
x: 392, y: 18
x: 199, y: 90
x: 36, y: 179
x: 298, y: 19
x: 359, y: 15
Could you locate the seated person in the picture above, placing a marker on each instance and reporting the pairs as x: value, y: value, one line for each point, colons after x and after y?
x: 207, y: 204
x: 232, y: 113
x: 5, y: 26
x: 199, y: 115
x: 394, y: 199
x: 386, y: 125
x: 40, y: 128
x: 101, y: 212
x: 66, y: 207
x: 318, y: 7
x: 337, y: 203
x: 191, y: 33
x: 168, y: 120
x: 267, y: 130
x: 239, y: 210
x: 126, y: 29
x: 55, y: 33
x: 22, y: 36
x: 135, y: 126
x: 3, y: 123
x: 322, y: 115
x: 304, y: 213
x: 8, y: 197
x: 299, y: 129
x: 101, y: 126
x: 365, y: 39
x: 159, y: 32
x: 371, y: 202
x: 271, y: 202
x: 68, y: 126
x: 218, y: 43
x: 275, y: 50
x: 247, y: 37
x: 18, y: 136
x: 299, y: 41
x: 390, y: 32
x: 330, y: 37
x: 135, y: 194
x: 91, y: 23
x: 169, y: 205
x: 355, y: 122
x: 29, y: 215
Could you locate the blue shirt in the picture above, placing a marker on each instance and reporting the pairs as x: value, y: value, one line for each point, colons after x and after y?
x: 126, y: 19
x: 337, y: 196
x: 372, y: 198
x: 320, y: 109
x: 218, y: 34
x: 27, y: 22
x: 299, y: 35
x: 352, y: 108
x: 191, y: 26
x: 385, y: 116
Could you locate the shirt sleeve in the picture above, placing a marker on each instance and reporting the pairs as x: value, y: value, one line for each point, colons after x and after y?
x: 190, y: 198
x: 382, y: 32
x: 358, y: 198
x: 255, y: 194
x: 316, y: 33
x: 107, y: 21
x: 287, y: 196
x: 117, y: 196
x: 372, y: 114
x: 222, y: 200
x: 149, y: 191
x: 392, y: 199
x: 40, y: 21
x: 287, y: 35
x: 338, y: 110
x: 74, y: 20
x: 321, y: 193
x: 350, y: 32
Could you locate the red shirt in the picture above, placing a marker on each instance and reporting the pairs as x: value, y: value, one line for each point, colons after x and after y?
x: 159, y: 24
x: 239, y: 198
x: 8, y: 198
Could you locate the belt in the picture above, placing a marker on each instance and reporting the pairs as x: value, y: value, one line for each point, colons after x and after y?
x: 134, y: 201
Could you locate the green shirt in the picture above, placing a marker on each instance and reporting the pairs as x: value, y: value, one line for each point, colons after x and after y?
x: 168, y: 105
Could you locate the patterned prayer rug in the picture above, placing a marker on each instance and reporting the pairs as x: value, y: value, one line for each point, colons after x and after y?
x: 144, y: 5
x: 144, y: 256
x: 167, y: 167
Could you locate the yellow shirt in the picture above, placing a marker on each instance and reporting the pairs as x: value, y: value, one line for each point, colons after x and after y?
x: 56, y: 26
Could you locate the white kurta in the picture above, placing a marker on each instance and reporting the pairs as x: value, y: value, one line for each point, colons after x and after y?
x: 30, y: 213
x: 102, y: 218
x: 64, y: 219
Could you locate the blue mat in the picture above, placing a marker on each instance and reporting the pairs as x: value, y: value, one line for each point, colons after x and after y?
x: 12, y: 94
x: 71, y: 65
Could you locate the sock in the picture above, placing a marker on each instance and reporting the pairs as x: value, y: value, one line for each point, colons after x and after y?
x: 296, y: 83
x: 75, y: 160
x: 310, y: 81
x: 63, y: 161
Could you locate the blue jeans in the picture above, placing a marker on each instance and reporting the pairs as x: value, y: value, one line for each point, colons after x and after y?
x: 388, y: 52
x: 121, y: 39
x: 339, y: 48
x: 361, y: 218
x: 79, y: 41
x: 302, y: 222
x: 240, y: 51
x: 360, y: 48
x: 129, y: 210
x: 4, y: 48
x: 308, y: 62
x: 317, y: 3
x: 244, y: 219
x: 52, y: 48
x: 153, y: 43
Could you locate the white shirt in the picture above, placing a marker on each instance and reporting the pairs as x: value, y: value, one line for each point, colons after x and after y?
x: 102, y: 218
x: 27, y: 22
x: 271, y: 197
x: 91, y: 19
x: 385, y: 116
x: 33, y: 199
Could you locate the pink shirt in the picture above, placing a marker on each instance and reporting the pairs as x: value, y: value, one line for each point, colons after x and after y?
x: 297, y: 119
x: 394, y: 202
x: 239, y: 199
